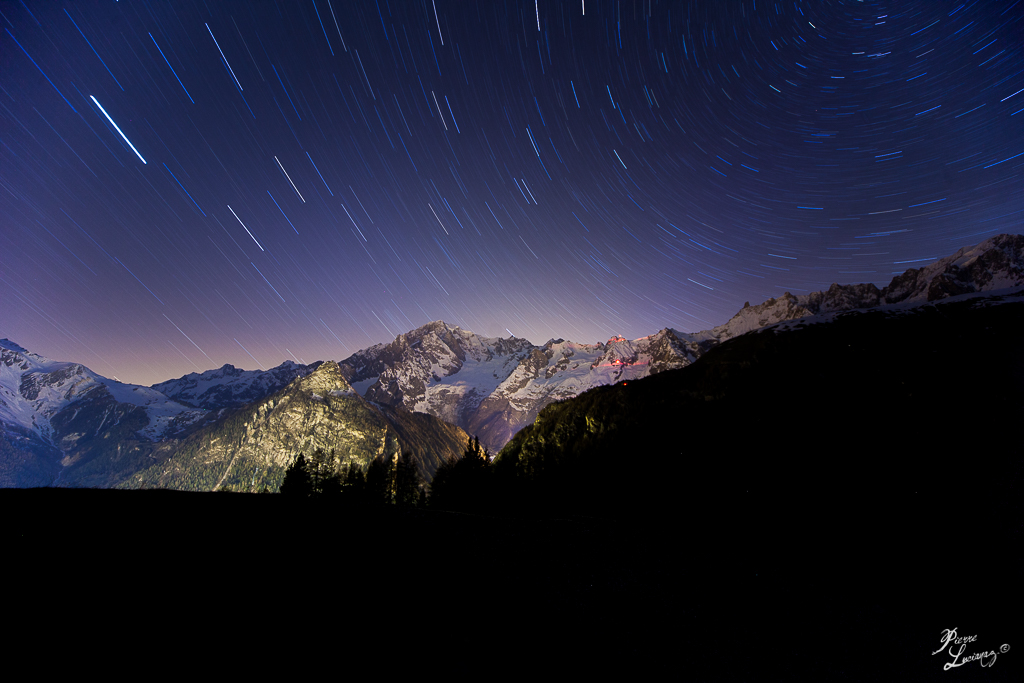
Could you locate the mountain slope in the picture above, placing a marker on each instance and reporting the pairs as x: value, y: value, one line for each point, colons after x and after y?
x: 997, y: 263
x: 248, y: 449
x: 493, y: 387
x: 871, y: 404
x: 66, y: 424
x: 57, y: 415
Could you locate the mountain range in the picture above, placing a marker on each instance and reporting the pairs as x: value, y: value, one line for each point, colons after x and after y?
x: 494, y: 387
x: 424, y: 392
x: 849, y: 425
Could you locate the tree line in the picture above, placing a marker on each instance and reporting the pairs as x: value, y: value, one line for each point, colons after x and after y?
x: 458, y: 484
x: 385, y: 480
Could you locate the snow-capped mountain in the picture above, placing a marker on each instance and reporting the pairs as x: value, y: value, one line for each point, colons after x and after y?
x: 997, y: 263
x: 437, y: 368
x: 66, y: 414
x: 230, y: 387
x: 36, y: 393
x: 493, y: 387
x: 63, y: 424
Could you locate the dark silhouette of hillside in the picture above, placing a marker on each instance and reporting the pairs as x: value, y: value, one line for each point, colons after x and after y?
x: 871, y: 409
x: 812, y: 504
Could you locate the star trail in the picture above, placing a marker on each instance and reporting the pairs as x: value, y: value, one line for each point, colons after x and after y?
x: 304, y: 179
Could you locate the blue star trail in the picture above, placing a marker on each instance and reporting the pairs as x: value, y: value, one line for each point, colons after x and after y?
x: 569, y: 169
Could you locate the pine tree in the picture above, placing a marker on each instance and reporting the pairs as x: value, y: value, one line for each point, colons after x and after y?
x: 297, y: 481
x: 353, y: 486
x: 463, y: 484
x: 407, y: 481
x: 321, y: 467
x: 444, y: 487
x: 380, y: 480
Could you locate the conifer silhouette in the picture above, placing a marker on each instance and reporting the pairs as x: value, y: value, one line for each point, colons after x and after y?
x: 297, y: 481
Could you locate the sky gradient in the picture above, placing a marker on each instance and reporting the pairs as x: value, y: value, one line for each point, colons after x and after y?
x: 190, y: 183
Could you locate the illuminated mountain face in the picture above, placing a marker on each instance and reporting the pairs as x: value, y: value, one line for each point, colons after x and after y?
x: 491, y: 387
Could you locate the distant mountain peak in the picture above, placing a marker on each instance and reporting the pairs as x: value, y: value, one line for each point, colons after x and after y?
x: 493, y: 386
x: 328, y: 379
x: 996, y: 263
x: 231, y: 387
x: 11, y: 346
x: 490, y: 386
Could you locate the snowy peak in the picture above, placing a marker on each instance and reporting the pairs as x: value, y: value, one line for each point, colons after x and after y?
x: 8, y: 345
x: 13, y: 355
x: 996, y: 263
x: 662, y: 351
x: 403, y: 371
x: 493, y: 386
x: 749, y: 318
x: 437, y: 345
x: 231, y: 387
x: 842, y: 298
x: 35, y: 391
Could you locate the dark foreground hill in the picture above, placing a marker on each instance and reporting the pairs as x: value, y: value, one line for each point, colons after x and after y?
x: 816, y: 503
x: 826, y: 414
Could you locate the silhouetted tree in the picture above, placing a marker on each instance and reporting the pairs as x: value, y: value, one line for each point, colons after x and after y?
x: 331, y: 487
x: 353, y: 485
x: 297, y: 480
x: 380, y: 480
x: 473, y: 454
x: 443, y: 487
x: 462, y: 484
x: 407, y: 481
x: 385, y: 480
x: 321, y: 467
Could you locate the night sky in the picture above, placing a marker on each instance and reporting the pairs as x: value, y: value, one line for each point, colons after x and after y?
x: 303, y: 179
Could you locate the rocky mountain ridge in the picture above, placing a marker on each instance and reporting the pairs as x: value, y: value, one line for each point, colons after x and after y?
x: 231, y: 387
x: 488, y: 386
x: 997, y: 263
x: 35, y: 390
x: 65, y: 425
x: 493, y: 387
x: 251, y: 447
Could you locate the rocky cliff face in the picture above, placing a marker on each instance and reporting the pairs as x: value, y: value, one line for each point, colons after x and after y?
x: 491, y: 386
x: 254, y: 445
x: 64, y: 425
x: 250, y: 448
